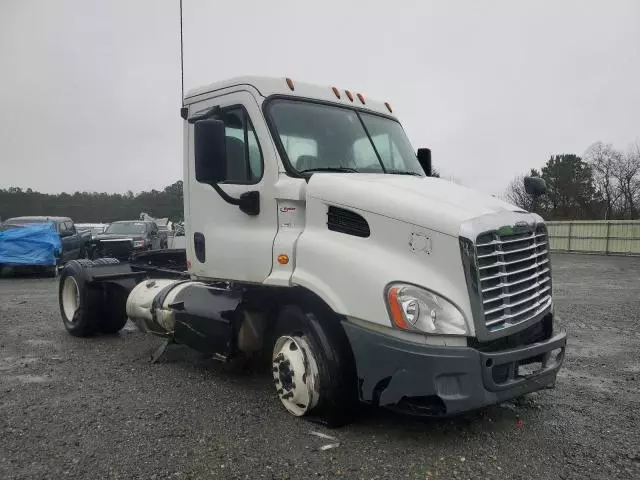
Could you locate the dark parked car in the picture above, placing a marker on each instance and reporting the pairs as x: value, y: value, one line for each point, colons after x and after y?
x: 73, y: 242
x: 121, y: 239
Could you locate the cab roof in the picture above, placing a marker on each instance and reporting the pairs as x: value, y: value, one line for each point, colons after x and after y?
x: 268, y: 86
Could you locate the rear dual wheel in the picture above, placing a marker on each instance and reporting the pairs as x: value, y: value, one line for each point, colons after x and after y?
x: 86, y: 310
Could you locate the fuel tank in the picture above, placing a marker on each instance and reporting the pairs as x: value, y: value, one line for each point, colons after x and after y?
x: 205, y: 317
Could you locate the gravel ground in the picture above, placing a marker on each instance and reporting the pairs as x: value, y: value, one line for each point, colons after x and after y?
x: 96, y: 408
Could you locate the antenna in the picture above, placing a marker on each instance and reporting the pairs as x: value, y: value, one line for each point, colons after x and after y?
x: 181, y: 60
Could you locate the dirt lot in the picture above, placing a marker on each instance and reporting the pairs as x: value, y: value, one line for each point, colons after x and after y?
x: 96, y: 408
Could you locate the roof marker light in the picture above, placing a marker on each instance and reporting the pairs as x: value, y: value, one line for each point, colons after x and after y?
x: 349, y: 96
x: 290, y: 84
x: 361, y: 98
x: 336, y: 92
x: 388, y: 107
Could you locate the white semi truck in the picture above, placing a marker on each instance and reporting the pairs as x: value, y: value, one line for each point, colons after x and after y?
x: 318, y: 243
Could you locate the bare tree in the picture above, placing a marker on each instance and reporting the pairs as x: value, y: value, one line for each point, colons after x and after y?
x: 603, y: 159
x: 452, y: 179
x: 516, y: 194
x: 627, y: 172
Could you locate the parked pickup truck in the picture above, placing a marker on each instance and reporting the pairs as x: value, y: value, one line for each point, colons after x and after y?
x: 125, y: 237
x: 73, y: 243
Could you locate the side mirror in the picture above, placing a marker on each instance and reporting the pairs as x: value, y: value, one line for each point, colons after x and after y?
x: 424, y: 158
x: 210, y: 151
x: 535, y: 186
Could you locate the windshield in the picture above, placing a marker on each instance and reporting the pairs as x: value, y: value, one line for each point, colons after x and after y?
x: 127, y: 228
x: 324, y: 137
x: 95, y: 230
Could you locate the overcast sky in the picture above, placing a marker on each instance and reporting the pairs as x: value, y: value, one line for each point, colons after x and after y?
x: 90, y: 90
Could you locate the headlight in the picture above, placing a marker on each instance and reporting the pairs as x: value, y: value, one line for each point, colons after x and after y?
x: 138, y: 243
x: 414, y: 308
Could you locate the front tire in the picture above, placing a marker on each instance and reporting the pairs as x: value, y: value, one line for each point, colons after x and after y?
x: 313, y: 367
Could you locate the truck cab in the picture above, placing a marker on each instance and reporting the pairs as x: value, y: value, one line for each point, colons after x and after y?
x: 359, y: 274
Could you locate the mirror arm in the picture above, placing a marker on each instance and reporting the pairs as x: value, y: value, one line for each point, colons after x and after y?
x: 249, y: 202
x: 225, y: 196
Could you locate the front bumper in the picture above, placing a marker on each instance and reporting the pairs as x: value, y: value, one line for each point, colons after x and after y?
x: 435, y: 380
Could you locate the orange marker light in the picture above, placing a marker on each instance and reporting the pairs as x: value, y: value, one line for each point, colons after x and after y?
x: 361, y: 98
x: 396, y: 311
x: 283, y: 259
x: 290, y: 84
x: 349, y: 96
x: 336, y: 92
x: 388, y: 107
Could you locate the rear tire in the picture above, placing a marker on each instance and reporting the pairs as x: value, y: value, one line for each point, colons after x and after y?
x: 52, y: 271
x: 313, y: 367
x: 80, y: 306
x: 115, y: 315
x: 106, y: 261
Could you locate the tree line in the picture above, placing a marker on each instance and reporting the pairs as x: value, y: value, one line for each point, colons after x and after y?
x: 94, y: 207
x: 90, y: 207
x: 602, y: 184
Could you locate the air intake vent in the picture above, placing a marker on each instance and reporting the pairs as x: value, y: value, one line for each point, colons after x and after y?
x: 345, y: 221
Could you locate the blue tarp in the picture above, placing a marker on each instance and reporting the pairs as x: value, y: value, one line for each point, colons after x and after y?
x: 33, y: 244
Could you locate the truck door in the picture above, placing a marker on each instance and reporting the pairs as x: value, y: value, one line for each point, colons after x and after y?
x: 222, y: 241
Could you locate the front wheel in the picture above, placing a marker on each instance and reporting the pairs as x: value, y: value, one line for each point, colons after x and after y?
x: 312, y: 366
x: 295, y: 374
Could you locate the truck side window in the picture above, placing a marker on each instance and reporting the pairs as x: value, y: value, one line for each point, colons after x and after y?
x: 63, y: 228
x: 244, y: 158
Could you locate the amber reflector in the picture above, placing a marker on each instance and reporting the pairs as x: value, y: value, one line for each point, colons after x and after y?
x: 290, y: 83
x: 283, y: 259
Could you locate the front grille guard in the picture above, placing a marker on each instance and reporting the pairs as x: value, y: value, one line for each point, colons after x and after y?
x: 469, y: 232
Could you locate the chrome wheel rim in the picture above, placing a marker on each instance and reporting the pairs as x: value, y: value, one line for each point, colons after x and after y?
x: 295, y: 374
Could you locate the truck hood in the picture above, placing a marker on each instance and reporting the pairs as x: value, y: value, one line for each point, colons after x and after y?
x: 428, y: 202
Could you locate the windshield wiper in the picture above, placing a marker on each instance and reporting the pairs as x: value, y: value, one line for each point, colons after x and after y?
x: 403, y: 172
x: 329, y: 169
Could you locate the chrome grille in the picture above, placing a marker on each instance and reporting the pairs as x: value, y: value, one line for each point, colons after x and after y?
x: 514, y: 274
x: 120, y: 249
